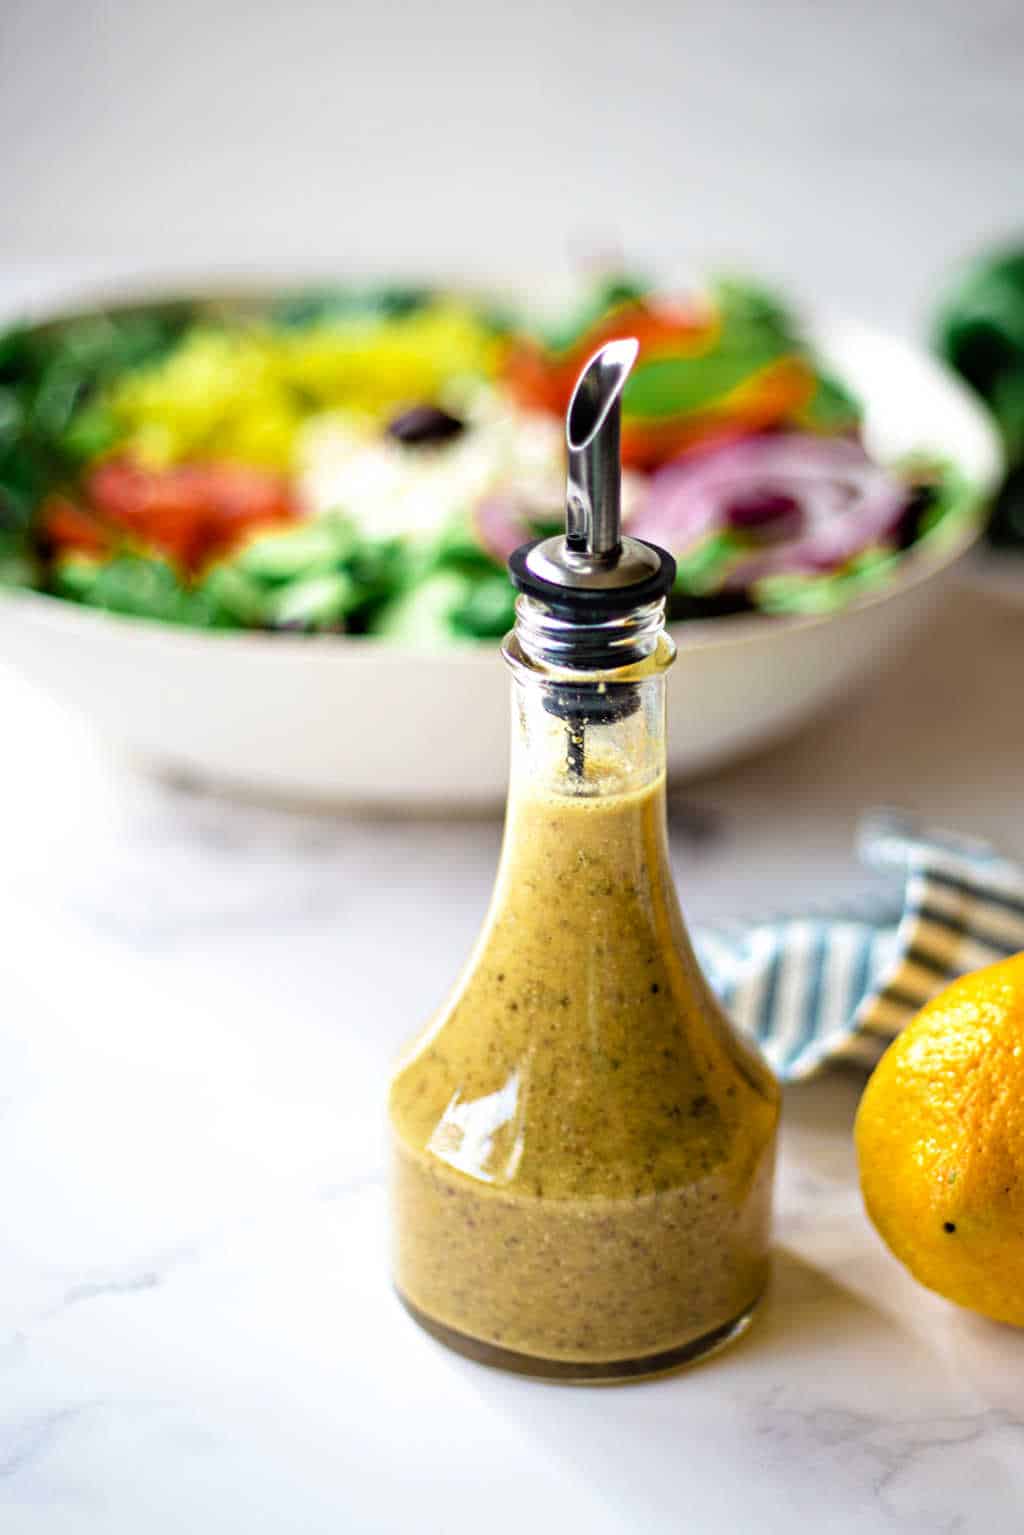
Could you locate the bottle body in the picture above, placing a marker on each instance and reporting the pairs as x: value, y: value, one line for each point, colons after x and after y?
x: 583, y: 1150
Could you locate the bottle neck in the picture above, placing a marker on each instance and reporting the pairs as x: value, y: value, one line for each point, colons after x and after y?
x: 550, y: 638
x: 588, y: 701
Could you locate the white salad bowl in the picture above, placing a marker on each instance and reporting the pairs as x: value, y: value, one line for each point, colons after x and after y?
x: 361, y: 721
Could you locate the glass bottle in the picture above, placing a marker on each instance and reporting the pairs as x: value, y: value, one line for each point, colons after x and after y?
x: 583, y: 1149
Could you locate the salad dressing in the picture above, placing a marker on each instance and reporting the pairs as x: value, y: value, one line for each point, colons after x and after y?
x: 583, y: 1148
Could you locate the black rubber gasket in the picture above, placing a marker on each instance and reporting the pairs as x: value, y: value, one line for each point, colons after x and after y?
x: 585, y: 602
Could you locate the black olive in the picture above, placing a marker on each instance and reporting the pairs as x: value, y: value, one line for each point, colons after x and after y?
x: 424, y: 424
x: 765, y: 515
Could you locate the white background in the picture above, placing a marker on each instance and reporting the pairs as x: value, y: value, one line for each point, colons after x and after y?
x: 855, y: 149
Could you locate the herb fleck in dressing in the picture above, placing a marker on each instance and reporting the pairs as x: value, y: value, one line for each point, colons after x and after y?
x: 583, y: 1148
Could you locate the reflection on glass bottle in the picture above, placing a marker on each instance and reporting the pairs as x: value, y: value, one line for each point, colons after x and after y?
x: 583, y: 1148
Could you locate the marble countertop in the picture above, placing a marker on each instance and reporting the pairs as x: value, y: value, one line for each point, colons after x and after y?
x: 200, y: 1002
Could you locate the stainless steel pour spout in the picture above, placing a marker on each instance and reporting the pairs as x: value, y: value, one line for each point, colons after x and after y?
x: 592, y: 566
x: 593, y: 430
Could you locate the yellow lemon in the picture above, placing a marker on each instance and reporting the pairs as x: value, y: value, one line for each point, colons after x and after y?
x: 940, y: 1140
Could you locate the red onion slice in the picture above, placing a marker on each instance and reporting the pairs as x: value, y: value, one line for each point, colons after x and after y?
x: 836, y: 502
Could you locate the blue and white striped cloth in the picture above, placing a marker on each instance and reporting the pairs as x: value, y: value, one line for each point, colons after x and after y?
x: 812, y: 991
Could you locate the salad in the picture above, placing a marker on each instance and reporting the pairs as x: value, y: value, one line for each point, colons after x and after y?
x: 363, y: 460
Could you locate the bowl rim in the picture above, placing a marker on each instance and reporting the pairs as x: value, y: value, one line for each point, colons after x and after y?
x: 112, y: 296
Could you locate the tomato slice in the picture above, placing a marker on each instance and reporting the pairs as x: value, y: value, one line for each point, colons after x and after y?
x: 71, y: 529
x: 191, y: 512
x: 543, y: 380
